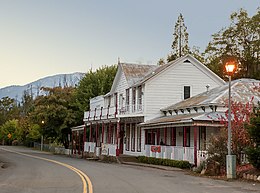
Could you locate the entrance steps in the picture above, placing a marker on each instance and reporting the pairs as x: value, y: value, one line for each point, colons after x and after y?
x: 126, y: 158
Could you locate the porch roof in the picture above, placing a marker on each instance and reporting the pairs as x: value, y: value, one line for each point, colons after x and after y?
x: 243, y: 90
x: 78, y: 128
x: 195, y: 119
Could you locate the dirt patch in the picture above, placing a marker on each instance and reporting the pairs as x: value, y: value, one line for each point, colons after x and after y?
x: 3, y: 165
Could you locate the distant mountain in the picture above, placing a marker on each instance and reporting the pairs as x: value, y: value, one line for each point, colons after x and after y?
x: 16, y: 92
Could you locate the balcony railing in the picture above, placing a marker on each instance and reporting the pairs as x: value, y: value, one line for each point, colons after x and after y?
x: 111, y: 112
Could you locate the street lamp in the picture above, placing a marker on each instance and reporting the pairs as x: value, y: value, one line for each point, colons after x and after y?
x: 230, y: 159
x: 42, y: 137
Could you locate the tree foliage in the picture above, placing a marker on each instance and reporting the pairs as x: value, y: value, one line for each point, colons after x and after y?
x: 253, y: 128
x: 55, y: 114
x: 8, y: 131
x: 240, y: 40
x: 240, y: 138
x: 94, y: 84
x: 8, y: 109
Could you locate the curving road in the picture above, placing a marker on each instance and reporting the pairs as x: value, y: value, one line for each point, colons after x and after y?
x: 29, y: 174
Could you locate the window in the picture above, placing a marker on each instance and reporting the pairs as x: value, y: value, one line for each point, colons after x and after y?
x: 127, y: 99
x: 115, y: 99
x: 133, y: 99
x: 139, y: 98
x: 186, y: 92
x: 121, y: 100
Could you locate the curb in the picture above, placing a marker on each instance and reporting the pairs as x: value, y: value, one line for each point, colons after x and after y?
x: 153, y: 166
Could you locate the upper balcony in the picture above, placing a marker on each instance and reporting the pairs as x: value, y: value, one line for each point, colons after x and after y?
x: 112, y: 112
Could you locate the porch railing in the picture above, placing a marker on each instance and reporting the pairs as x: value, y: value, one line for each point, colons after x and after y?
x: 170, y: 152
x: 108, y: 149
x: 111, y: 112
x: 89, y: 147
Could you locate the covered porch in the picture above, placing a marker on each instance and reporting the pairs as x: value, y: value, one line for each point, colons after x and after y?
x: 179, y: 137
x: 113, y: 137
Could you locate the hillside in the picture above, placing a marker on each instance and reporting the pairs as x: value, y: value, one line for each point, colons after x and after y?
x: 16, y: 92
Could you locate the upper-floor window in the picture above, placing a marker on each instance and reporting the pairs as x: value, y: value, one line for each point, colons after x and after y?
x: 127, y: 98
x: 121, y: 98
x: 186, y: 92
x: 139, y: 94
x: 109, y: 100
x: 134, y: 96
x: 115, y: 99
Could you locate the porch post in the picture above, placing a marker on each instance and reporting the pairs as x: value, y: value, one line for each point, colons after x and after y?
x: 84, y: 136
x: 102, y: 140
x: 97, y: 125
x: 90, y: 132
x: 146, y: 137
x: 72, y: 141
x: 165, y: 136
x: 117, y: 136
x: 109, y: 133
x: 195, y: 145
x: 78, y: 140
x: 158, y: 136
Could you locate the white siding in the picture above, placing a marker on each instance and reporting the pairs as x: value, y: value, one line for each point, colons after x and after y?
x: 167, y: 87
x: 96, y: 102
x: 120, y: 88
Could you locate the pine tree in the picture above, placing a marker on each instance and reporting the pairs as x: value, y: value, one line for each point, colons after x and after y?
x: 180, y: 40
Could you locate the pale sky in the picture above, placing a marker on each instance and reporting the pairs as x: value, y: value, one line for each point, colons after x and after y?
x: 39, y: 38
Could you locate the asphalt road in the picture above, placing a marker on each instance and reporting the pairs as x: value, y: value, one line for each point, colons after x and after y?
x: 28, y: 174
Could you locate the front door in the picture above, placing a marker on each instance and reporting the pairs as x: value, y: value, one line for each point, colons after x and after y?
x: 121, y: 139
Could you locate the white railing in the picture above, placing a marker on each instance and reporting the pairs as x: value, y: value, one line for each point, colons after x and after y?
x: 171, y: 152
x: 108, y: 149
x: 111, y: 112
x: 201, y: 156
x: 100, y: 113
x: 89, y: 147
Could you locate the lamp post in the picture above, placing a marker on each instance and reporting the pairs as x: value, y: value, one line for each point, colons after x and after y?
x: 230, y: 159
x: 42, y: 137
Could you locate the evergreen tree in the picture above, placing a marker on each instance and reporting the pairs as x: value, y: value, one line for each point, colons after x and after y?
x: 180, y: 42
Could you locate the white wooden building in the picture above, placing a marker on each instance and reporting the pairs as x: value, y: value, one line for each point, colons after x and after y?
x: 113, y: 124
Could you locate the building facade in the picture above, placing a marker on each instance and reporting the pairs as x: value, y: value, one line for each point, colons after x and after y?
x: 115, y: 123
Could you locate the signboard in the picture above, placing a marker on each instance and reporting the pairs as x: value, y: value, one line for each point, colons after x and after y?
x: 156, y: 148
x: 104, y: 150
x: 9, y: 136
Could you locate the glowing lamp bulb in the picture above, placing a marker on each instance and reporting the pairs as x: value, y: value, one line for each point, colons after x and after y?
x: 230, y: 67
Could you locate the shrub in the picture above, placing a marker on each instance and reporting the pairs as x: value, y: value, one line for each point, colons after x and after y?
x: 253, y: 155
x: 164, y: 162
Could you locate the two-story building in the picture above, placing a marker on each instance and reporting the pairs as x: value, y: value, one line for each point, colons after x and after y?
x: 113, y: 123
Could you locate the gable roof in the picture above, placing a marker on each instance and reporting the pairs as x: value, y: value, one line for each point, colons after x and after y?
x: 186, y: 58
x: 242, y: 90
x: 132, y: 72
x: 136, y: 72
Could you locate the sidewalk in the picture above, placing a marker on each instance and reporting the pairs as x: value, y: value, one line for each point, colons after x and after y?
x: 167, y: 168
